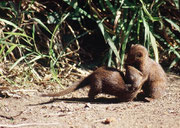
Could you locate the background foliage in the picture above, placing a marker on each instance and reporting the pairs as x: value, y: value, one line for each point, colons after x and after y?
x: 57, y: 33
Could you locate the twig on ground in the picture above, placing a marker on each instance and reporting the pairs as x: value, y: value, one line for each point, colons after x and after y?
x: 11, y: 117
x: 28, y: 124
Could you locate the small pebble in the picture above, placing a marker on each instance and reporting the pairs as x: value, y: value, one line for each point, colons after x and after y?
x: 109, y: 120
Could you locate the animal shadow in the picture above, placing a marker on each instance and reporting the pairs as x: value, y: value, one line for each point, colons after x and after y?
x: 101, y: 100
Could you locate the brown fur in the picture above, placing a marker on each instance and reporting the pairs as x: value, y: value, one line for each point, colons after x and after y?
x: 109, y: 81
x: 155, y: 85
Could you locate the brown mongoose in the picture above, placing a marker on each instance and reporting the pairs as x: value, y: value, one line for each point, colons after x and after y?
x: 109, y: 81
x: 155, y: 85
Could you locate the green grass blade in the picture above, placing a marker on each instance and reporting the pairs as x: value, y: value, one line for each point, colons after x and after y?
x: 101, y: 2
x: 175, y: 61
x: 57, y: 27
x: 11, y: 24
x: 149, y: 38
x: 110, y: 58
x: 173, y: 24
x: 109, y: 40
x: 74, y: 4
x: 113, y: 10
x: 54, y: 75
x: 176, y: 3
x: 17, y: 62
x: 146, y: 34
x: 51, y: 50
x: 42, y: 24
x: 28, y: 38
x: 1, y: 51
x: 18, y: 45
x: 146, y: 11
x: 154, y: 45
x: 10, y: 50
x: 126, y: 39
x: 36, y: 58
x: 18, y: 34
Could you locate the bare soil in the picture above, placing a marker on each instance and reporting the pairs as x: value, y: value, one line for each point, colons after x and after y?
x: 30, y: 110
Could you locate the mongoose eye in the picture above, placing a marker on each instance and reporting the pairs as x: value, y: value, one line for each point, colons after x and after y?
x: 132, y: 78
x: 139, y: 54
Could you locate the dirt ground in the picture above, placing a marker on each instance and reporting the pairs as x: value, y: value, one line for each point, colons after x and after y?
x: 74, y: 110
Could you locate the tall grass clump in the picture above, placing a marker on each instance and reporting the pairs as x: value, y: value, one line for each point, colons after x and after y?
x: 123, y: 23
x: 47, y: 30
x: 32, y: 32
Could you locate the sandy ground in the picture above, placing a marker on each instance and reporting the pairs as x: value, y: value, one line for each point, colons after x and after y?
x: 76, y: 111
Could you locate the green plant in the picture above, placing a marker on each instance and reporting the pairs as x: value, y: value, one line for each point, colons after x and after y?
x: 125, y: 22
x: 28, y: 39
x: 26, y: 28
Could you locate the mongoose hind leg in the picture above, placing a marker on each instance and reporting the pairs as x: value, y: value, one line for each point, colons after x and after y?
x: 95, y: 87
x: 155, y: 90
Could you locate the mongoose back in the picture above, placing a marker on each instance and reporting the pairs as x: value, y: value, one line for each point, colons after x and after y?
x: 109, y: 81
x: 155, y: 85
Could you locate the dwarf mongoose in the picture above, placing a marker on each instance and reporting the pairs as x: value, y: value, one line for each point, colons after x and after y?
x: 138, y: 57
x: 109, y: 81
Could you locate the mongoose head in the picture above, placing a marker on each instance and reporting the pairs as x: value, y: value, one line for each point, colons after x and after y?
x: 137, y: 55
x: 134, y: 77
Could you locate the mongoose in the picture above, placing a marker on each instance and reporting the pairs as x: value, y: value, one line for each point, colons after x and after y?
x: 155, y: 85
x: 109, y: 81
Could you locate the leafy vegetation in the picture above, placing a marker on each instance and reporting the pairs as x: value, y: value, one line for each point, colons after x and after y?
x: 53, y: 32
